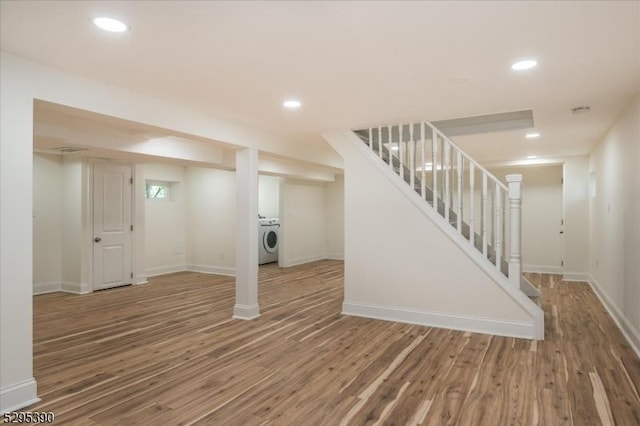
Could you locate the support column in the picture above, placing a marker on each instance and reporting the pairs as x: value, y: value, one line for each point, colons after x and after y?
x: 246, y: 306
x: 17, y: 386
x: 515, y: 234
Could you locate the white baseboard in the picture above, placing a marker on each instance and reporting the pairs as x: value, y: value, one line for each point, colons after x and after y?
x: 542, y: 269
x: 74, y: 288
x: 210, y: 269
x: 335, y: 256
x: 162, y: 270
x: 440, y: 319
x: 246, y: 312
x: 628, y: 330
x: 19, y: 395
x: 44, y: 288
x: 300, y: 261
x: 575, y: 276
x: 140, y: 279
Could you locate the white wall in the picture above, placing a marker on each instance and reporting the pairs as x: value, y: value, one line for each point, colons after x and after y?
x: 334, y: 218
x: 576, y: 219
x: 211, y: 220
x: 614, y: 217
x: 17, y: 385
x: 165, y: 221
x: 47, y: 222
x: 73, y: 223
x: 541, y: 216
x: 302, y: 218
x: 400, y: 265
x: 269, y: 196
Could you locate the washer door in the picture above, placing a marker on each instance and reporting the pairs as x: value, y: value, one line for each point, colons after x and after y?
x: 270, y: 239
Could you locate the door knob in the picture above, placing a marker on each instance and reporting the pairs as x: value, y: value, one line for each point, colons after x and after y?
x: 97, y: 239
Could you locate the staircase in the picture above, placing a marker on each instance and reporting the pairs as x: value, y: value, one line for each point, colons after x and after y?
x: 470, y: 199
x: 477, y: 211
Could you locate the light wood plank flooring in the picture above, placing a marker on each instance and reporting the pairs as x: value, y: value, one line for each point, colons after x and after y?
x: 169, y: 353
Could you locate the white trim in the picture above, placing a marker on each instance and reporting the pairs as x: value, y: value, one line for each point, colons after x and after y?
x: 246, y: 312
x: 74, y: 288
x: 628, y: 330
x: 44, y: 288
x: 162, y: 270
x: 140, y: 279
x: 335, y: 256
x: 442, y: 320
x: 18, y: 395
x: 301, y: 260
x: 575, y: 276
x: 542, y: 269
x: 212, y: 269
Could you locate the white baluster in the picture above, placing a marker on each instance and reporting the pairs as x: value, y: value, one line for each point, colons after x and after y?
x: 484, y: 214
x: 515, y: 213
x: 472, y: 232
x: 390, y: 146
x: 498, y: 227
x: 459, y: 171
x: 380, y: 142
x: 401, y: 149
x: 447, y: 195
x: 370, y: 141
x: 423, y: 186
x: 434, y: 169
x: 412, y: 158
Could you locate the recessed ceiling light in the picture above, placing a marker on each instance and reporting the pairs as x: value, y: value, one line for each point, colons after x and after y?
x: 532, y: 135
x: 110, y: 24
x: 531, y: 157
x: 292, y: 103
x: 524, y: 65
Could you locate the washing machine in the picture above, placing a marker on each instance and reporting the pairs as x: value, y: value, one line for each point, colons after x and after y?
x: 268, y: 240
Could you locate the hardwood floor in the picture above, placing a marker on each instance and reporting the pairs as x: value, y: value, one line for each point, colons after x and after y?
x: 169, y: 353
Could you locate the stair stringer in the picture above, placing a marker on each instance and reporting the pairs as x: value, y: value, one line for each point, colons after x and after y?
x: 424, y: 276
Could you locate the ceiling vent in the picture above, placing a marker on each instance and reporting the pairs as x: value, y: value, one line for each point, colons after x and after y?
x: 69, y: 149
x: 581, y: 109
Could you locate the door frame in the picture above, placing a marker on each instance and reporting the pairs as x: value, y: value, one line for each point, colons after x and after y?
x: 88, y: 234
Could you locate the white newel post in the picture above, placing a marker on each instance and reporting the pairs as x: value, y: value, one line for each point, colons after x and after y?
x: 515, y: 212
x: 246, y: 306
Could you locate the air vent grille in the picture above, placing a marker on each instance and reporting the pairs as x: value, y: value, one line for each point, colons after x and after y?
x: 69, y: 149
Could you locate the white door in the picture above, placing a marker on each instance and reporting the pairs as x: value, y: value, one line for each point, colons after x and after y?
x: 112, y: 225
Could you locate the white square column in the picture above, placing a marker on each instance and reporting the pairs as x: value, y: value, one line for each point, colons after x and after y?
x: 246, y: 306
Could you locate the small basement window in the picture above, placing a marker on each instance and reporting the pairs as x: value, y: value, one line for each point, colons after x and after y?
x: 157, y: 190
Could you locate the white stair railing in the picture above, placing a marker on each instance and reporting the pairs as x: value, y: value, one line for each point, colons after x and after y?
x: 481, y: 208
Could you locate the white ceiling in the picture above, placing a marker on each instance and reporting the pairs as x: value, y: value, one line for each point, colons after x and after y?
x: 355, y: 64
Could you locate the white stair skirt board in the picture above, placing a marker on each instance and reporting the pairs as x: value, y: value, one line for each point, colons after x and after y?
x: 542, y: 269
x: 442, y: 320
x: 246, y: 312
x: 208, y: 269
x: 19, y: 395
x: 628, y: 330
x: 528, y: 288
x: 575, y: 276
